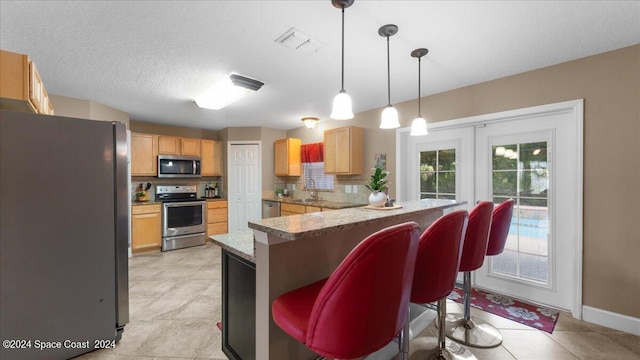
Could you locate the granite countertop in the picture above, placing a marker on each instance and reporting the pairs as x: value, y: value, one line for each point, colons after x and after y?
x: 238, y: 242
x: 317, y: 203
x: 295, y: 227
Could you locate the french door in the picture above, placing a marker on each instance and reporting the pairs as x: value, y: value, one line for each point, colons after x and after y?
x: 533, y: 156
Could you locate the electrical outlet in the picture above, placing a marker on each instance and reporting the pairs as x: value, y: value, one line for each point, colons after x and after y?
x: 293, y: 187
x: 347, y: 189
x: 355, y: 189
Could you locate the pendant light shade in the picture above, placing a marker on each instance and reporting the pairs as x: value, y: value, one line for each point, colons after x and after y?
x: 342, y: 109
x: 419, y: 124
x: 418, y: 127
x: 389, y: 118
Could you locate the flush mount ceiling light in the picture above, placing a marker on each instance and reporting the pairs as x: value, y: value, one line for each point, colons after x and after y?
x: 310, y: 122
x: 419, y: 124
x: 342, y: 109
x: 227, y: 91
x: 389, y: 119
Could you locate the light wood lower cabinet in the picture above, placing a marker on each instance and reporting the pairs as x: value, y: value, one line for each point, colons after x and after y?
x: 217, y: 217
x: 146, y: 223
x: 294, y: 209
x: 312, y: 209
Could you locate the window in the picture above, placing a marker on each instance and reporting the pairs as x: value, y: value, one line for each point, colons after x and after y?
x: 315, y: 171
x: 438, y: 174
x: 520, y: 172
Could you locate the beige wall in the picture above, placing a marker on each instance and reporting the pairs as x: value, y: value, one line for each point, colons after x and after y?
x: 86, y: 109
x: 609, y: 83
x: 169, y: 130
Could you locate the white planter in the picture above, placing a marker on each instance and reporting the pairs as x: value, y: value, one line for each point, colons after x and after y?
x: 377, y: 198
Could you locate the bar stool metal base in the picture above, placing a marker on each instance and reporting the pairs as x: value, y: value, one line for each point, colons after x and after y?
x: 446, y: 350
x: 452, y: 351
x: 472, y: 331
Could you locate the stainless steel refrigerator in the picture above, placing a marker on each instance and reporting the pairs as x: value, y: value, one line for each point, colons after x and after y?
x: 64, y: 232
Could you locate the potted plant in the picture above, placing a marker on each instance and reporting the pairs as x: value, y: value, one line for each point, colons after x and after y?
x: 377, y: 186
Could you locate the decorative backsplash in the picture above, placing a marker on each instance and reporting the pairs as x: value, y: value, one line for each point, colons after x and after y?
x: 151, y: 193
x: 343, y: 189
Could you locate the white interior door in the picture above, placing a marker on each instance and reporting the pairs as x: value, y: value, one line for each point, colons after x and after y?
x: 533, y: 155
x: 244, y: 184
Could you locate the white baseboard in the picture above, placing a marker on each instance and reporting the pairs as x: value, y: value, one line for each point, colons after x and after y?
x: 612, y: 320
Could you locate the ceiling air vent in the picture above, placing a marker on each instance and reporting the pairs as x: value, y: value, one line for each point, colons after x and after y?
x: 300, y: 42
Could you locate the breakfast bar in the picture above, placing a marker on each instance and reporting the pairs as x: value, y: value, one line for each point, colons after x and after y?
x: 294, y: 251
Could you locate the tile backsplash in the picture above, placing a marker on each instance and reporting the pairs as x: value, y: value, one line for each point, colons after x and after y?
x: 201, y: 184
x: 343, y: 189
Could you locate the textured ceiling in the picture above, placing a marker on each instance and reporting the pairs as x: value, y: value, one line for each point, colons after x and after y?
x: 151, y: 58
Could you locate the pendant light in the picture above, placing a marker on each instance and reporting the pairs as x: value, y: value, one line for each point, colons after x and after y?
x: 419, y: 124
x: 342, y: 109
x: 389, y: 118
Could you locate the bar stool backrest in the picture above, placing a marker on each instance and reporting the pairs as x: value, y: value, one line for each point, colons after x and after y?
x: 438, y: 258
x: 500, y: 224
x: 364, y: 303
x: 477, y: 236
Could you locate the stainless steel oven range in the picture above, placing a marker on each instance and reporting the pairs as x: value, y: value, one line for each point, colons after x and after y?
x: 183, y: 217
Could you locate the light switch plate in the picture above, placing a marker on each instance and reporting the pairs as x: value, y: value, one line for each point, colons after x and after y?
x: 355, y: 189
x: 347, y: 189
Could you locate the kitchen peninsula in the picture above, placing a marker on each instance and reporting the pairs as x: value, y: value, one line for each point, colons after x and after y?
x: 296, y: 250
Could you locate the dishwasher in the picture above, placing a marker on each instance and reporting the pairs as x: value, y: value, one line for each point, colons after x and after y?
x: 270, y: 209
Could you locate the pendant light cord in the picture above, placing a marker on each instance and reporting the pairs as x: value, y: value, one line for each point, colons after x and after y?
x: 388, y: 75
x: 419, y: 75
x: 342, y: 49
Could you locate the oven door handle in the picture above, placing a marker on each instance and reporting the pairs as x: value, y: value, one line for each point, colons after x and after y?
x: 187, y: 203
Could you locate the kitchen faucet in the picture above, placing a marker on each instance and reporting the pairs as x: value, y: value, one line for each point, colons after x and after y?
x: 314, y: 193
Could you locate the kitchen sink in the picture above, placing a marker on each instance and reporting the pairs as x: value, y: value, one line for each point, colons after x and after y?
x: 306, y: 201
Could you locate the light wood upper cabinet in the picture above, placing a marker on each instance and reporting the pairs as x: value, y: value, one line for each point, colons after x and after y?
x: 217, y: 217
x: 144, y: 152
x: 287, y: 157
x: 168, y: 145
x: 172, y: 145
x: 190, y: 147
x: 211, y: 159
x: 343, y: 151
x: 21, y: 87
x: 146, y: 227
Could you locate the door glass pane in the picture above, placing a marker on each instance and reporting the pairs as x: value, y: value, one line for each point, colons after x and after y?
x: 438, y: 174
x: 522, y: 174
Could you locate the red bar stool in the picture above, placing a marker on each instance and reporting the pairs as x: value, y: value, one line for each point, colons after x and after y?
x: 500, y: 225
x: 461, y: 327
x: 363, y: 305
x: 437, y: 265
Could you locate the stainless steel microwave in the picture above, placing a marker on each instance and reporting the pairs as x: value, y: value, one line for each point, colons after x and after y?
x: 171, y: 166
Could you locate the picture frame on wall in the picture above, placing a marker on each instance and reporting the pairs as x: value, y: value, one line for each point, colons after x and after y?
x: 380, y: 161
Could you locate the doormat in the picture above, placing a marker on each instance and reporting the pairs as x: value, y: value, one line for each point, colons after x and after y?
x: 535, y: 316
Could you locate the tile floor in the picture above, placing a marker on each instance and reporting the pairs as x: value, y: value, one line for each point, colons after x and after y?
x: 175, y: 303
